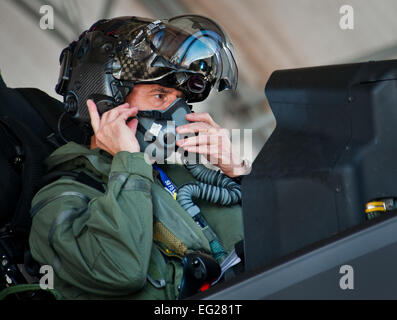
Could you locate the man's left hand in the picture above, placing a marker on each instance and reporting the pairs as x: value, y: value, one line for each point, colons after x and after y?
x: 213, y: 142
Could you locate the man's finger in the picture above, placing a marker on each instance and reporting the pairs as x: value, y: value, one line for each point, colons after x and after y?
x: 203, y: 149
x: 132, y: 112
x: 193, y: 127
x: 198, y: 140
x: 94, y: 115
x: 202, y: 117
x: 115, y: 112
x: 133, y: 124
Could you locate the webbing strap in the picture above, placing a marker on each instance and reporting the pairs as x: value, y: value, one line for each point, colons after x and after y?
x: 81, y: 177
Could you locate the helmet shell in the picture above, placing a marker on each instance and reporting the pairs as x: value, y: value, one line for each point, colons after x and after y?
x: 190, y: 53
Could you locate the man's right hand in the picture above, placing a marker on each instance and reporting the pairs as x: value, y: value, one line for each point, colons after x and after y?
x: 111, y: 131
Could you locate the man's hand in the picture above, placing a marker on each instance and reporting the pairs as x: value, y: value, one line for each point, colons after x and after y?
x: 212, y: 142
x: 111, y: 131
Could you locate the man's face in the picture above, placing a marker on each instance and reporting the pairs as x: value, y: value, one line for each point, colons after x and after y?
x: 152, y: 97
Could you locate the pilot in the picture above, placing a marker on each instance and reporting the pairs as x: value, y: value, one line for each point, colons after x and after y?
x: 123, y: 230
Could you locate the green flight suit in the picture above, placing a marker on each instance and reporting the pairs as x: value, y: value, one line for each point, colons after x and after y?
x: 101, y: 244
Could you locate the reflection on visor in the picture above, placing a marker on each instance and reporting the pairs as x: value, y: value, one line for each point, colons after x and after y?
x: 197, y: 47
x: 194, y: 48
x: 196, y: 44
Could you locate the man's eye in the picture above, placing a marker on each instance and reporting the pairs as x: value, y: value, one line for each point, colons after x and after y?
x: 160, y: 96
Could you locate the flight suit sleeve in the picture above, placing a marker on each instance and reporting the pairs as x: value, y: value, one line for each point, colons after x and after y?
x: 98, y: 242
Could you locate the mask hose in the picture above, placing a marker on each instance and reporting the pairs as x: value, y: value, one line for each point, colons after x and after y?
x: 214, y: 187
x: 220, y: 188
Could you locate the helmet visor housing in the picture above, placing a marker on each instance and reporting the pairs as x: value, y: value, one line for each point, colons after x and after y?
x: 190, y: 53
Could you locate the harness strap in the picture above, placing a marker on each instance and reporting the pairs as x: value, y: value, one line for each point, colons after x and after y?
x: 78, y: 176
